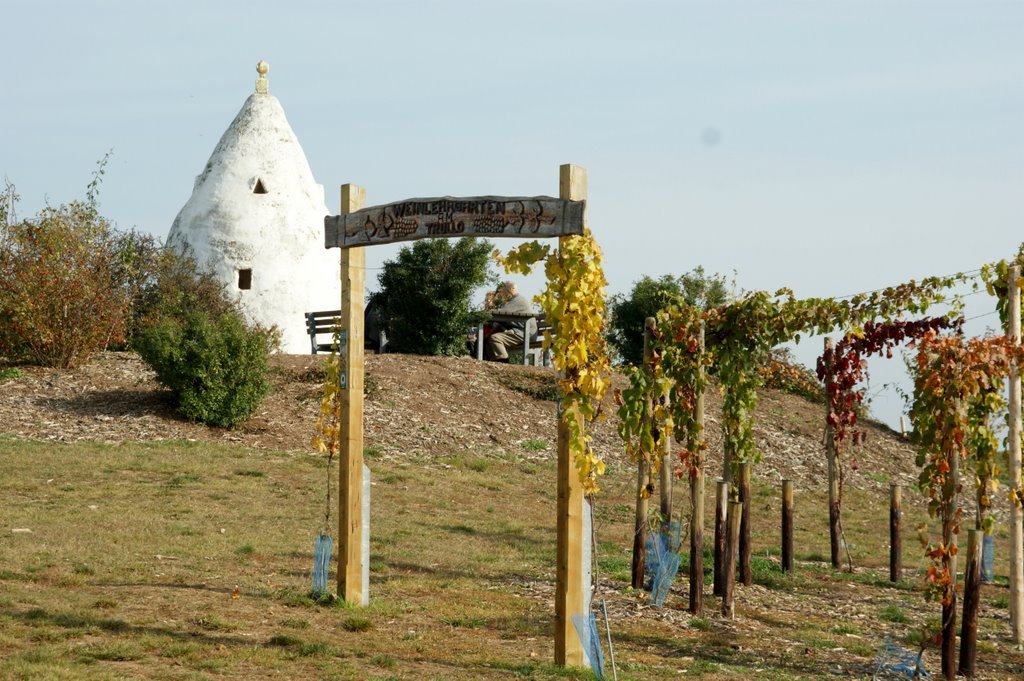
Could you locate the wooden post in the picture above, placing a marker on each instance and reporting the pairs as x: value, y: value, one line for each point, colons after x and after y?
x: 667, y: 481
x: 787, y: 525
x: 953, y: 539
x: 643, y: 476
x: 895, y: 534
x: 732, y: 545
x: 643, y: 481
x: 1014, y: 437
x: 721, y: 534
x: 972, y: 594
x: 697, y: 543
x: 667, y: 470
x: 746, y: 574
x: 350, y: 497
x: 569, y: 585
x: 697, y: 500
x: 949, y: 519
x: 948, y: 651
x: 833, y: 482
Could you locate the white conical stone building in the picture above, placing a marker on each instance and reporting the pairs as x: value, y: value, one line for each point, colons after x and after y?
x: 256, y: 220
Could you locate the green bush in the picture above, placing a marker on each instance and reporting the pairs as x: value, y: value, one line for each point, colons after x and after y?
x: 214, y: 364
x: 424, y: 299
x: 196, y: 340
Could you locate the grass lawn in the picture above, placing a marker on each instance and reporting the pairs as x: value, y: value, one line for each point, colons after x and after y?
x: 180, y: 560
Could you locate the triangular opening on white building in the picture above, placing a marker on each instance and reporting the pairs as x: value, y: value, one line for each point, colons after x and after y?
x: 259, y: 188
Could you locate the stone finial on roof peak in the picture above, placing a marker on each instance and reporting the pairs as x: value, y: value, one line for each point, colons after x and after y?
x: 262, y: 84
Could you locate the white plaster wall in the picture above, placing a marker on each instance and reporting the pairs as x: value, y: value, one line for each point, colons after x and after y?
x: 278, y: 235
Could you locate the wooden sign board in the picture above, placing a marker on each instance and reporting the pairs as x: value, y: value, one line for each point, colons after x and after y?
x: 523, y: 217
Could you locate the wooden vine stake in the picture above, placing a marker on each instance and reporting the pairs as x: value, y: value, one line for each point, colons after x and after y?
x: 972, y: 593
x: 949, y: 520
x: 746, y: 573
x: 787, y: 525
x: 569, y: 595
x: 667, y: 470
x: 350, y: 497
x: 643, y: 481
x: 731, y: 549
x: 833, y: 481
x: 895, y: 536
x: 643, y: 477
x: 697, y: 498
x: 721, y: 534
x: 1014, y: 437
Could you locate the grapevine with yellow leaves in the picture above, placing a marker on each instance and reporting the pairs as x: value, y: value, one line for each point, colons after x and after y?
x: 327, y: 432
x: 574, y: 304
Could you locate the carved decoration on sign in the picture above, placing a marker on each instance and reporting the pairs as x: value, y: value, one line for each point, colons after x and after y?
x: 490, y: 216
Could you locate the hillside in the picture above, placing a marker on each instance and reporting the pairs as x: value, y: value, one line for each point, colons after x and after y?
x: 414, y: 406
x: 138, y: 545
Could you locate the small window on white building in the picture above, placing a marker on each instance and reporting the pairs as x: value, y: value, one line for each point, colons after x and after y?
x: 245, y: 279
x: 259, y: 188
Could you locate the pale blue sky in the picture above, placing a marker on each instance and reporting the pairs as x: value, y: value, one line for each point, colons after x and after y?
x: 831, y: 147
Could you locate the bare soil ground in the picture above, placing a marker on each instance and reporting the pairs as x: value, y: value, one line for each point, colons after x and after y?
x: 414, y: 405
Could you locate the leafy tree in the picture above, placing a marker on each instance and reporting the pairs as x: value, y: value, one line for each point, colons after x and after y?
x: 626, y: 330
x: 425, y: 294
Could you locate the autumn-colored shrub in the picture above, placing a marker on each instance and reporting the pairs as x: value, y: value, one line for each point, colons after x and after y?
x: 783, y: 372
x: 60, y: 298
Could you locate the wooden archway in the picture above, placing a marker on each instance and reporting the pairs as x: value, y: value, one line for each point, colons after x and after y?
x: 489, y: 216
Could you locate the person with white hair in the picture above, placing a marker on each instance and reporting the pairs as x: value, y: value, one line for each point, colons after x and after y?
x: 507, y: 335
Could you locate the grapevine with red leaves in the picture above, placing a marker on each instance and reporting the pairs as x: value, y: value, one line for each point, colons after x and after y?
x: 842, y: 368
x: 954, y: 384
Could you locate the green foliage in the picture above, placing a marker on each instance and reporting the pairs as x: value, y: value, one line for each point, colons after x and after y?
x: 197, y: 341
x: 894, y: 613
x: 215, y: 364
x: 425, y: 294
x: 626, y: 329
x: 738, y: 339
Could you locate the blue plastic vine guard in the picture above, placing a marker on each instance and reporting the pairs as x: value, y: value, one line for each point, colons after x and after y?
x: 321, y: 562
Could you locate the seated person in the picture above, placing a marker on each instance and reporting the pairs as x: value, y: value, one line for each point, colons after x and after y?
x: 506, y: 336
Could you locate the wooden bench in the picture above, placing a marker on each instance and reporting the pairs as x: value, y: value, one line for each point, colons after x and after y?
x: 322, y: 323
x: 535, y: 326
